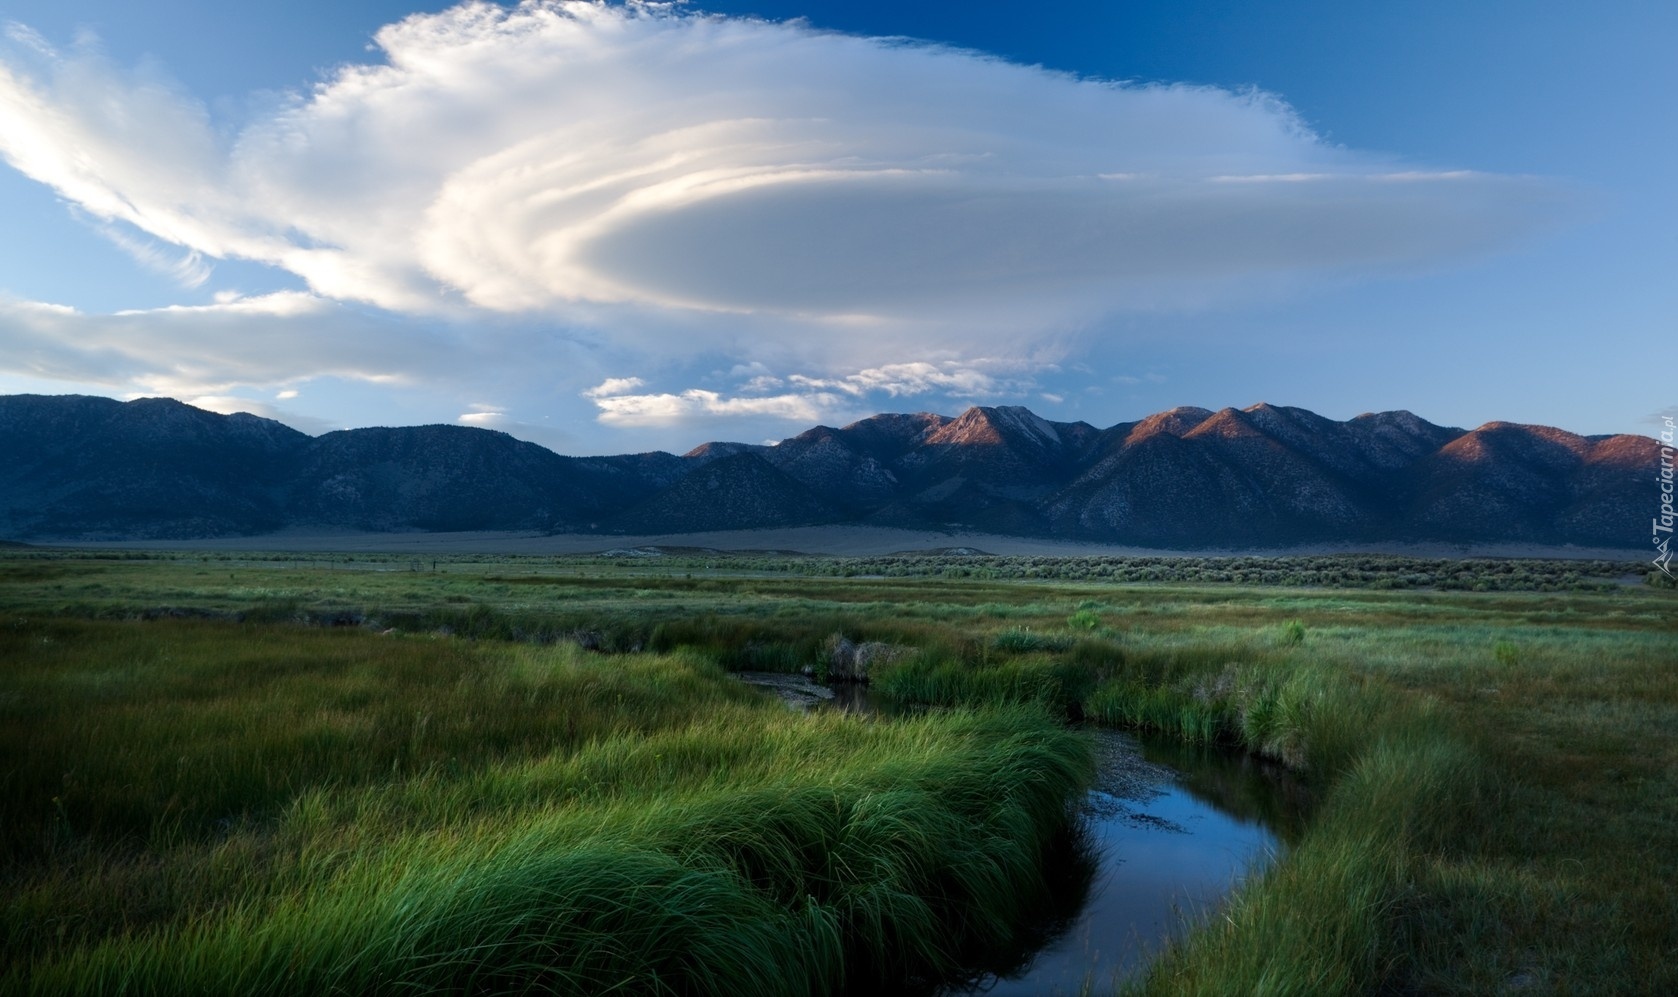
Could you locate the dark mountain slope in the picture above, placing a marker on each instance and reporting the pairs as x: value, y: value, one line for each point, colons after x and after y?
x: 704, y: 453
x: 827, y: 462
x: 81, y: 467
x: 1008, y: 450
x: 739, y: 492
x: 890, y: 436
x: 1513, y: 482
x: 76, y: 467
x: 429, y: 478
x: 1193, y: 477
x: 1613, y: 491
x: 463, y: 478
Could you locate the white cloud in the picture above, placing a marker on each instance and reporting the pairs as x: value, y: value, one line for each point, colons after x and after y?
x: 814, y: 399
x: 497, y: 417
x: 206, y: 350
x: 619, y: 406
x: 695, y: 403
x: 229, y: 404
x: 562, y: 156
x: 762, y: 385
x: 603, y: 188
x: 484, y: 416
x: 614, y: 386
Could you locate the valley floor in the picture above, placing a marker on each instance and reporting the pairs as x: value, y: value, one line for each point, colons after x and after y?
x: 844, y: 541
x: 212, y: 763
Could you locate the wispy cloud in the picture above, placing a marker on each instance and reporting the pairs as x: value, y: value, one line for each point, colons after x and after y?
x: 189, y: 269
x: 955, y: 379
x: 512, y: 202
x: 192, y: 351
x: 229, y: 404
x: 559, y: 154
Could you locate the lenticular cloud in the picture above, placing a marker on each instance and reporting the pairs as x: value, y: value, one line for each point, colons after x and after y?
x: 576, y: 153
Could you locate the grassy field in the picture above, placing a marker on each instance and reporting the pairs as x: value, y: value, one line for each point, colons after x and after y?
x: 411, y: 771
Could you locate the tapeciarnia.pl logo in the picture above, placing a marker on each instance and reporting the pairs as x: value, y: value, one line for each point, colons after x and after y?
x: 1663, y: 522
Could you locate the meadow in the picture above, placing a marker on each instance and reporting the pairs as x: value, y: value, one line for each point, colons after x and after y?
x: 371, y: 774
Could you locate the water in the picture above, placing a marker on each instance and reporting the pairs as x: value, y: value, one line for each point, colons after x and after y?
x: 1174, y: 828
x: 800, y: 693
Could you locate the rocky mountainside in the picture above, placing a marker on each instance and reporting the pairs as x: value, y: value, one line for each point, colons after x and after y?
x: 75, y: 467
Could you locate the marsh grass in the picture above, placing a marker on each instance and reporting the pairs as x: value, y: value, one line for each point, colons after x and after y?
x: 1484, y: 823
x: 1485, y: 820
x: 1018, y: 640
x: 197, y: 807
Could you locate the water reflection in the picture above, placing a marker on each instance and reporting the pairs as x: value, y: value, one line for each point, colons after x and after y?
x: 1176, y: 829
x: 1239, y: 784
x: 852, y: 697
x: 1171, y: 829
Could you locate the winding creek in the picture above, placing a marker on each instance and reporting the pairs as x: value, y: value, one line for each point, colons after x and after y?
x: 1173, y: 828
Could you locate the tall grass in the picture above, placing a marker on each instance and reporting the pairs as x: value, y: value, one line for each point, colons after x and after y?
x: 1404, y: 789
x: 1343, y: 914
x: 890, y: 876
x: 944, y: 676
x: 496, y: 819
x: 140, y: 731
x: 1486, y: 820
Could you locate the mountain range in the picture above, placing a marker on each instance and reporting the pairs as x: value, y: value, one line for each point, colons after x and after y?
x: 88, y: 468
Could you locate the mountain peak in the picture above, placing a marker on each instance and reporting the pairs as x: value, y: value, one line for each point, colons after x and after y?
x: 977, y: 426
x: 1029, y: 423
x: 1173, y: 422
x: 1400, y: 419
x: 1226, y: 423
x: 1012, y: 426
x: 717, y: 450
x: 1261, y: 476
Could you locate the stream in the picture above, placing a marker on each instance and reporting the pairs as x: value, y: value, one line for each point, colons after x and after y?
x: 1174, y: 829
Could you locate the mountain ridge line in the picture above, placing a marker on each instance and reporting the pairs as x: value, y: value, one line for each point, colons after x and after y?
x: 88, y: 468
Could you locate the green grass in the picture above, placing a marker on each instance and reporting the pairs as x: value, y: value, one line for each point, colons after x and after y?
x: 1487, y: 823
x: 202, y: 807
x: 1495, y: 779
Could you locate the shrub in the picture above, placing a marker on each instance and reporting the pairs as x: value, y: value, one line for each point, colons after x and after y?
x: 1024, y: 640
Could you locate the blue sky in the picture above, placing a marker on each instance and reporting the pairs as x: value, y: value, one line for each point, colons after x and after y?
x: 610, y: 229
